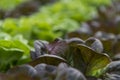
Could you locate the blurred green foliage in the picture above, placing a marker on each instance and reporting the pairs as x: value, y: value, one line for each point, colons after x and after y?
x: 10, y: 4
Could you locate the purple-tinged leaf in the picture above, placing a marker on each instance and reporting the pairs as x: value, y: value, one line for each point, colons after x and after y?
x: 95, y: 44
x: 47, y: 59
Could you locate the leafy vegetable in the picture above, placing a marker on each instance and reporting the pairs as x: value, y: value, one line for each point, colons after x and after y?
x: 11, y: 53
x: 74, y: 51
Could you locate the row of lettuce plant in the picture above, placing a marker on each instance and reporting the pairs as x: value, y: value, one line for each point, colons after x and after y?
x: 17, y: 35
x: 18, y: 8
x: 67, y: 59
